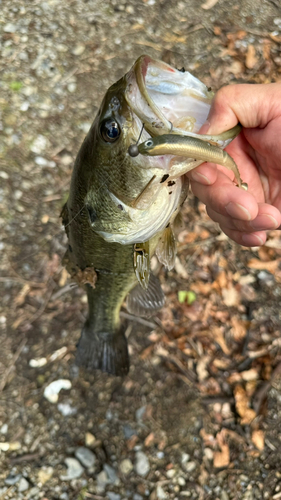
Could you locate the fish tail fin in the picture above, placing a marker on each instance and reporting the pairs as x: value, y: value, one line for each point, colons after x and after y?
x: 103, y: 351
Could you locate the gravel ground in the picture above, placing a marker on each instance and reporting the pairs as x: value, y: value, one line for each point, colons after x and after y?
x: 149, y: 435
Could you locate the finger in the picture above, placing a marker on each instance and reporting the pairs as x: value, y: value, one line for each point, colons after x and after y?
x: 247, y: 240
x: 205, y: 174
x: 268, y: 218
x: 226, y: 199
x: 242, y: 103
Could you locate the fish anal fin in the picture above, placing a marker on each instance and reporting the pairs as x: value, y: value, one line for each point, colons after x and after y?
x: 103, y: 351
x: 144, y: 302
x: 166, y: 249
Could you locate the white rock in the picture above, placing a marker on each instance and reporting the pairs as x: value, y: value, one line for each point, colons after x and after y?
x: 52, y: 390
x: 10, y: 28
x: 161, y: 495
x: 74, y: 469
x: 142, y: 466
x: 37, y: 363
x: 23, y: 484
x: 66, y: 409
x: 86, y: 457
x: 4, y: 429
x: 39, y: 144
x: 78, y: 50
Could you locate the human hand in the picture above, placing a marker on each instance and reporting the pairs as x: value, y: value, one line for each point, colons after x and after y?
x: 245, y: 216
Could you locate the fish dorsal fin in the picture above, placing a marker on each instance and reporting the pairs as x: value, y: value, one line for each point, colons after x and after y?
x: 166, y: 249
x: 144, y: 302
x: 142, y: 263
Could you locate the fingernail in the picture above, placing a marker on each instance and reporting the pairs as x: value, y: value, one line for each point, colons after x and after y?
x: 252, y: 240
x: 205, y: 127
x: 237, y: 211
x: 200, y: 178
x: 264, y: 221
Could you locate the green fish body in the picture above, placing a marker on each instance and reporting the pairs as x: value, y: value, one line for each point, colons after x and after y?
x: 121, y: 209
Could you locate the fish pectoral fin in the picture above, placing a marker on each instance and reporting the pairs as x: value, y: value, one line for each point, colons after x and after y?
x: 142, y: 263
x: 166, y: 249
x: 144, y: 302
x: 103, y: 351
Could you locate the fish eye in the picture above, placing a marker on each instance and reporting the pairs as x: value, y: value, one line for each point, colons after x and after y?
x: 149, y: 143
x: 110, y: 130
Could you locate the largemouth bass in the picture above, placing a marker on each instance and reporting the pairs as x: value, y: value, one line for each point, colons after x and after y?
x: 121, y: 208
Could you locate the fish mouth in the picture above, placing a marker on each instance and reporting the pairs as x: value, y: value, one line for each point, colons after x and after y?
x: 165, y: 99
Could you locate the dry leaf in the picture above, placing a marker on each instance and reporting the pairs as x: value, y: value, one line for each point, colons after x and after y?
x: 19, y: 300
x: 251, y: 59
x: 217, y: 334
x: 222, y: 458
x: 230, y: 296
x: 221, y: 279
x: 180, y: 269
x: 242, y: 406
x: 235, y: 68
x: 258, y: 439
x: 249, y: 375
x: 201, y: 368
x: 170, y: 38
x: 209, y: 4
x: 239, y: 329
x: 270, y: 266
x: 63, y: 278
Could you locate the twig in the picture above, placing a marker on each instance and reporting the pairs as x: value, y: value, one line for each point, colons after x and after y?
x: 137, y: 319
x: 64, y: 290
x: 42, y: 307
x: 12, y: 364
x: 263, y: 390
x: 24, y: 458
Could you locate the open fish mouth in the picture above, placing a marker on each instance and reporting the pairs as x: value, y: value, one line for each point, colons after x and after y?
x: 165, y: 99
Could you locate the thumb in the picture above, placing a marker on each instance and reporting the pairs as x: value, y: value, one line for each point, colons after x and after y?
x: 253, y: 105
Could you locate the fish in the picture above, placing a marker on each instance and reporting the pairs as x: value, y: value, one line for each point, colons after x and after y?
x: 122, y: 208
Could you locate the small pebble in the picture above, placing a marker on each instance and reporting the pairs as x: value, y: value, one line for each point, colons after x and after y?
x: 39, y: 144
x: 11, y: 479
x: 45, y: 474
x: 161, y: 495
x: 66, y: 409
x: 74, y: 469
x: 23, y: 485
x: 51, y: 391
x: 89, y: 439
x: 171, y: 473
x: 128, y: 431
x: 142, y: 466
x: 78, y: 50
x: 86, y: 457
x: 136, y: 496
x: 42, y: 162
x: 184, y: 458
x: 111, y: 473
x: 113, y: 496
x: 140, y: 413
x: 126, y: 466
x: 9, y: 28
x: 4, y: 429
x: 190, y: 466
x: 102, y: 481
